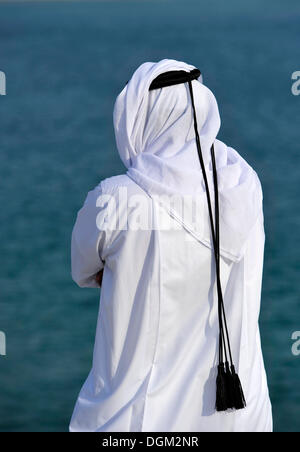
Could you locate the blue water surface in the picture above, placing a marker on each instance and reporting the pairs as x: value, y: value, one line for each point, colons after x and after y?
x: 65, y: 63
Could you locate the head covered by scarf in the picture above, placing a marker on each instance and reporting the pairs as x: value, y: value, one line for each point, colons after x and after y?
x: 156, y: 141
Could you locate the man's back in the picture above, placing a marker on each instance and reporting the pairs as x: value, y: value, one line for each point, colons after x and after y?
x: 155, y: 350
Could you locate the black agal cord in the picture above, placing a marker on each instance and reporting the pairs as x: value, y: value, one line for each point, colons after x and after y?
x: 229, y: 389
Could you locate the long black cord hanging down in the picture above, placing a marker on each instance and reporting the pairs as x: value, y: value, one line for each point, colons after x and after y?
x: 229, y: 389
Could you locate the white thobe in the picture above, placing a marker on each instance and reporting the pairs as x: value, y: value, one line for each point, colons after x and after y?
x: 155, y: 355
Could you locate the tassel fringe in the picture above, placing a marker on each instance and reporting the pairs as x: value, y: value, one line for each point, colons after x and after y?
x: 230, y: 386
x: 229, y: 389
x: 221, y: 401
x: 239, y: 399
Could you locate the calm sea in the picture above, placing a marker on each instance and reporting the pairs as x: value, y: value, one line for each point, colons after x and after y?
x: 65, y: 63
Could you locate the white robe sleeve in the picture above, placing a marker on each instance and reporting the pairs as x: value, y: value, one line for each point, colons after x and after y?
x: 88, y: 241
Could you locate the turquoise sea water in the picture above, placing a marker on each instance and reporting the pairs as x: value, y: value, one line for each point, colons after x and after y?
x: 65, y: 63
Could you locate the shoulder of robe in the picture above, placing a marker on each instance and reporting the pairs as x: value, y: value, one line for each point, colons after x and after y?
x: 107, y: 186
x: 127, y: 196
x: 112, y: 184
x: 255, y: 184
x: 110, y: 187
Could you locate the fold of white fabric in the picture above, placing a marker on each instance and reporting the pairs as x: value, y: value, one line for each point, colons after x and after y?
x: 156, y: 141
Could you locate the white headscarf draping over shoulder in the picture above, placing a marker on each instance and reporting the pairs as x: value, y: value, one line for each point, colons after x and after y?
x: 156, y: 141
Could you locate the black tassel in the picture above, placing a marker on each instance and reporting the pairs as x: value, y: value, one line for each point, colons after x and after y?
x: 230, y: 386
x: 239, y: 399
x: 229, y: 389
x: 222, y: 397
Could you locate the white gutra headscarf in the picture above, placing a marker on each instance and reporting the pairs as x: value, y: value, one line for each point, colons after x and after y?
x: 156, y: 141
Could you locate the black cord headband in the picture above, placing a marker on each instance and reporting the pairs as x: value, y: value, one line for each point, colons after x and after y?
x: 229, y: 389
